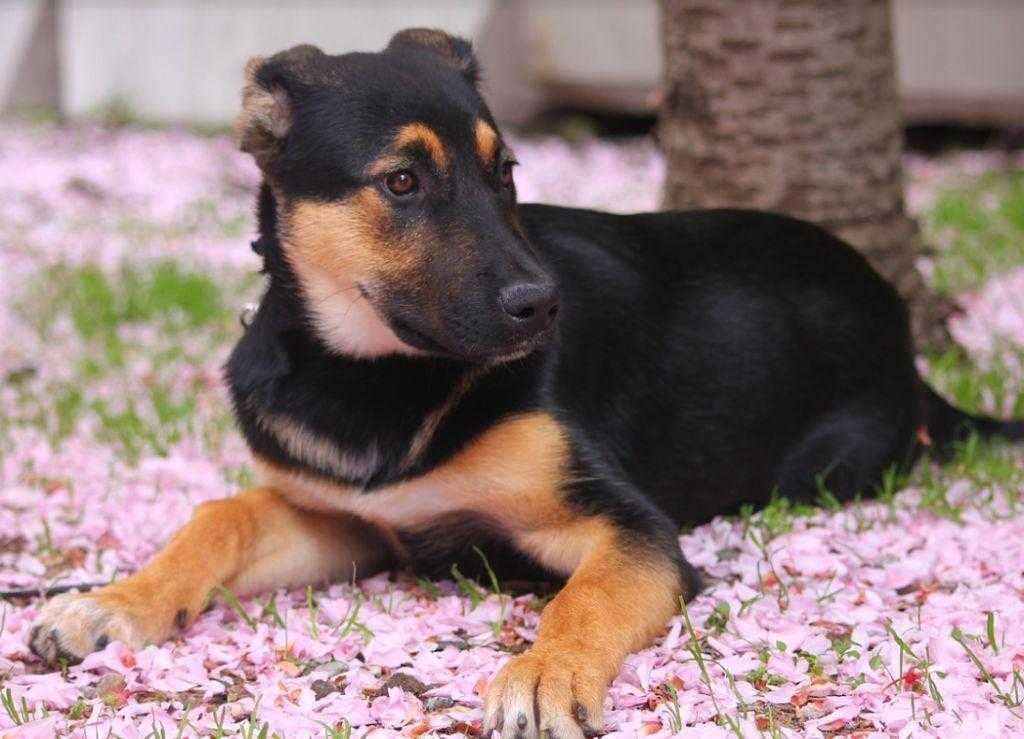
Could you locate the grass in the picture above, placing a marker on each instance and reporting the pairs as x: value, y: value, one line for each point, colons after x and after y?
x: 186, y: 317
x: 1011, y: 701
x: 978, y: 228
x: 189, y: 315
x: 973, y: 388
x: 476, y: 594
x: 995, y: 470
x: 236, y: 605
x: 166, y: 295
x: 694, y: 645
x: 350, y: 622
x: 18, y: 713
x: 119, y: 111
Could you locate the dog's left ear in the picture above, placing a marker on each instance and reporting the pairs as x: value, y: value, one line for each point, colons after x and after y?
x: 455, y: 51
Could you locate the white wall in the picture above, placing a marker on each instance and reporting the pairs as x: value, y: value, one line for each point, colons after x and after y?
x: 570, y: 41
x: 977, y: 47
x: 179, y: 59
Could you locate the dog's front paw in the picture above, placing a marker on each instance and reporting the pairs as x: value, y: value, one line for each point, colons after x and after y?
x: 72, y: 625
x: 552, y: 690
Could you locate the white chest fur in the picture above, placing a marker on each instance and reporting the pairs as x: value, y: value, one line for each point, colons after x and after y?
x: 513, y: 472
x: 402, y: 505
x: 320, y: 453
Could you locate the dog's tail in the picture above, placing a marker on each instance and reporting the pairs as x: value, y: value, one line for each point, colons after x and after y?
x: 947, y: 424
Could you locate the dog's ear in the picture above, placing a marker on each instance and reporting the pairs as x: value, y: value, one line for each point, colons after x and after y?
x: 456, y: 51
x: 268, y: 98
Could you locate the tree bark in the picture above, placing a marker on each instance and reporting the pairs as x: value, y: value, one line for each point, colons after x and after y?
x: 792, y: 106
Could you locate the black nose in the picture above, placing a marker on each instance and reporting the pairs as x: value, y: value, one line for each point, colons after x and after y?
x: 529, y: 306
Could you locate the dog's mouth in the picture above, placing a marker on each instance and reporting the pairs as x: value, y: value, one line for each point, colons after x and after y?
x: 401, y: 328
x: 521, y: 348
x: 467, y: 351
x: 417, y: 339
x: 515, y: 350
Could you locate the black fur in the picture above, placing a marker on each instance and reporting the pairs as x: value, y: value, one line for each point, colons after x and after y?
x: 701, y: 360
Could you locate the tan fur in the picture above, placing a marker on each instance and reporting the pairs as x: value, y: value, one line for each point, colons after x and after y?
x: 345, y: 239
x: 520, y: 463
x: 317, y: 452
x: 297, y: 528
x: 562, y: 545
x: 486, y: 143
x: 388, y: 163
x: 617, y: 600
x: 248, y: 543
x: 413, y: 134
x: 345, y: 319
x: 344, y: 253
x: 514, y: 471
x: 300, y: 528
x: 339, y: 252
x: 303, y: 490
x: 264, y: 119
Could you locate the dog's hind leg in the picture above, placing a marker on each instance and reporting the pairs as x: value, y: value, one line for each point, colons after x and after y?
x: 846, y: 452
x: 253, y: 541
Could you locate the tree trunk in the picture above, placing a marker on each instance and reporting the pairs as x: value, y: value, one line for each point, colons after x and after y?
x: 792, y: 106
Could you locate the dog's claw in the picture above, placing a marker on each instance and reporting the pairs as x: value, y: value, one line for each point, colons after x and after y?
x: 73, y: 625
x: 553, y: 692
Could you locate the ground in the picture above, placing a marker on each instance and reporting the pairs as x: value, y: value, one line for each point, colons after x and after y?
x: 125, y: 263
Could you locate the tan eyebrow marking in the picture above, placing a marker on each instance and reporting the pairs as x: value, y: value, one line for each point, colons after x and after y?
x: 420, y: 133
x: 388, y: 163
x: 486, y: 142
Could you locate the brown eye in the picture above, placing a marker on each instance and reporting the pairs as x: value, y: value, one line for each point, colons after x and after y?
x: 506, y: 171
x: 402, y: 182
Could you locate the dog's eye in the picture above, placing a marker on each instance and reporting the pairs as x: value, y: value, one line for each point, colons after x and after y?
x: 506, y: 171
x: 402, y: 182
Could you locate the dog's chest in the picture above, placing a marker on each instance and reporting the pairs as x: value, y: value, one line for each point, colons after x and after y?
x: 325, y: 466
x: 405, y: 504
x: 354, y: 463
x: 360, y: 425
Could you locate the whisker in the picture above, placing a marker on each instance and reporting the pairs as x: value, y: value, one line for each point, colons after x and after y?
x: 356, y: 300
x: 336, y: 293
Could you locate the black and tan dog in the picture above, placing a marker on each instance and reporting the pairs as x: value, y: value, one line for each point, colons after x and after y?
x: 434, y: 367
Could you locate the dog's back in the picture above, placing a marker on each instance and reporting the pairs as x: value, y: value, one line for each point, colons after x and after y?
x: 689, y: 341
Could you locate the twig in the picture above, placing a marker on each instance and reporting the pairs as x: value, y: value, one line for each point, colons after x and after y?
x: 51, y: 591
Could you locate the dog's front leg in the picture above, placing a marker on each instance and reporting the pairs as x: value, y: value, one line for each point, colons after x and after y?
x: 620, y: 596
x: 250, y: 542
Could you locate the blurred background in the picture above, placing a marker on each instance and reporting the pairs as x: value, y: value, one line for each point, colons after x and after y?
x: 958, y: 61
x: 898, y: 124
x: 126, y: 216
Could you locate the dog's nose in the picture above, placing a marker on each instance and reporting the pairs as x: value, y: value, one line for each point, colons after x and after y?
x: 529, y: 306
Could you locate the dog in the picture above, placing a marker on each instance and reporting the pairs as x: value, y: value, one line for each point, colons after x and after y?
x: 434, y: 367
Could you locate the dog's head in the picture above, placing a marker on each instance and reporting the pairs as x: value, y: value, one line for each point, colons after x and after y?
x: 395, y: 200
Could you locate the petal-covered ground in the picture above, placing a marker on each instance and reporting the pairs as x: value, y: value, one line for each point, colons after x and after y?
x: 124, y: 261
